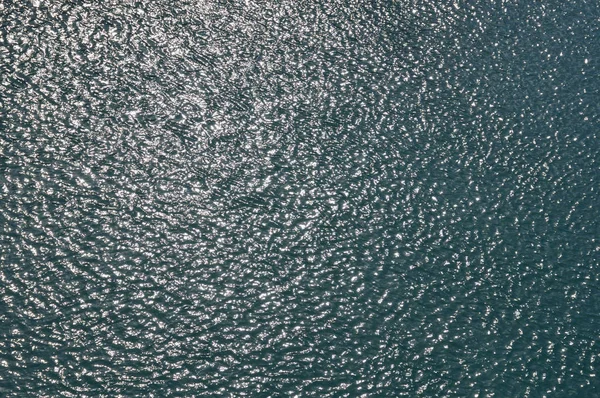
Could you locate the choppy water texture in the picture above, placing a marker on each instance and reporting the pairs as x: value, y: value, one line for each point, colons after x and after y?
x: 311, y: 198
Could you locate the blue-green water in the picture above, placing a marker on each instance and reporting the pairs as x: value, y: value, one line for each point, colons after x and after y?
x: 299, y: 198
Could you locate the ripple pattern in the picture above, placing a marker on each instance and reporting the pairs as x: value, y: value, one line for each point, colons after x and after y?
x: 317, y: 198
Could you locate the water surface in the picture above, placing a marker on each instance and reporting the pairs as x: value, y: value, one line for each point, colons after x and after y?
x: 282, y: 198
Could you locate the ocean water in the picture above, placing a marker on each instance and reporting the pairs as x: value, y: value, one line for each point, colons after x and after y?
x: 338, y: 198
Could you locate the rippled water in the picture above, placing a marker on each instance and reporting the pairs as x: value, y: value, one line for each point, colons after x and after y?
x: 311, y: 198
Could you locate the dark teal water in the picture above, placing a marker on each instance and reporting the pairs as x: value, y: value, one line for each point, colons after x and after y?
x: 299, y: 198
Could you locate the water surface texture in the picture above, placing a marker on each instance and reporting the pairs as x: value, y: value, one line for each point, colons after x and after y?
x: 299, y: 198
